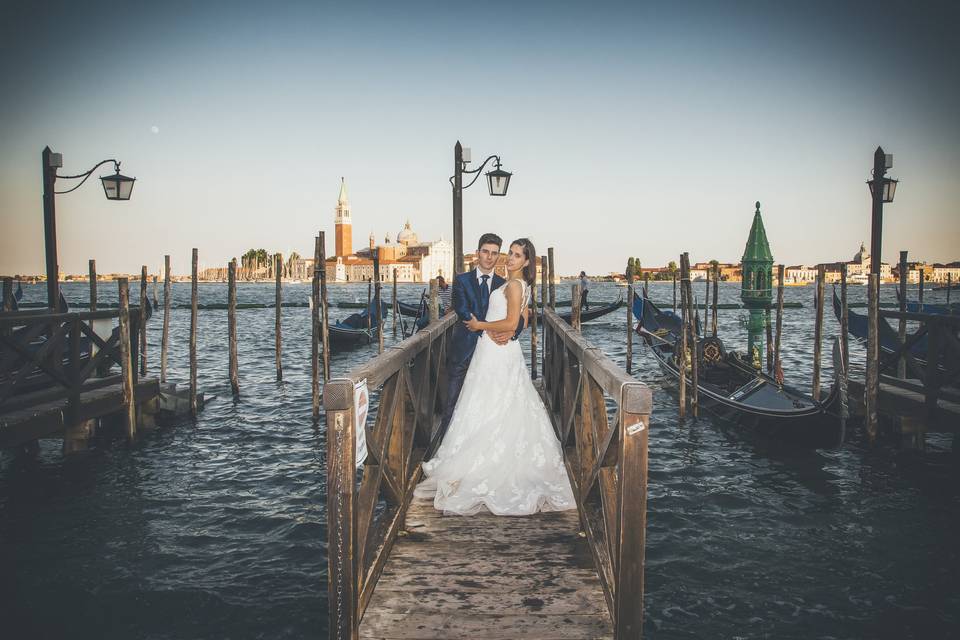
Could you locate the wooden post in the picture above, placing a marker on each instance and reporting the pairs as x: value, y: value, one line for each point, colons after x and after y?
x: 818, y: 334
x: 706, y: 303
x: 93, y: 284
x: 551, y: 280
x: 156, y: 303
x: 694, y: 379
x: 674, y: 291
x: 143, y: 320
x: 126, y: 366
x: 682, y: 356
x: 232, y: 325
x: 278, y: 304
x: 396, y: 305
x: 872, y: 382
x: 7, y: 300
x: 635, y: 407
x: 646, y: 284
x: 776, y: 345
x: 376, y: 301
x: 844, y: 318
x: 949, y: 287
x: 920, y: 290
x: 574, y: 307
x: 164, y: 337
x: 629, y: 275
x: 533, y: 332
x: 341, y: 509
x: 315, y: 330
x: 434, y: 300
x: 770, y: 362
x: 902, y: 328
x: 369, y: 304
x: 193, y: 334
x: 716, y: 295
x: 324, y: 309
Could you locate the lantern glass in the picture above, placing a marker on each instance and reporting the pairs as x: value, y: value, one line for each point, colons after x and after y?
x: 117, y: 186
x: 498, y: 181
x: 889, y: 188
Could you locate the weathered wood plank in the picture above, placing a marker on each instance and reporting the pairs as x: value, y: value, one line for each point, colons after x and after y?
x: 485, y: 576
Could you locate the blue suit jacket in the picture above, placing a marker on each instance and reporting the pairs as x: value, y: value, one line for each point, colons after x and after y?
x: 466, y: 301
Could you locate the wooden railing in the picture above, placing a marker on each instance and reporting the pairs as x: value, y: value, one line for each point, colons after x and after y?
x: 606, y: 460
x: 364, y: 519
x: 45, y: 352
x: 942, y: 366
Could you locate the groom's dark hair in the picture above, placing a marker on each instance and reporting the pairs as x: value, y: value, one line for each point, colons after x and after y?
x: 490, y: 238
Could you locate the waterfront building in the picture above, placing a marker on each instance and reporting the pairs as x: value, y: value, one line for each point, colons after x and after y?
x: 799, y: 274
x: 941, y: 272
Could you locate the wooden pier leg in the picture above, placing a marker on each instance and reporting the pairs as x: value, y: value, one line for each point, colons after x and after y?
x: 315, y: 330
x: 324, y: 309
x: 434, y: 300
x: 902, y: 328
x: 635, y: 407
x: 193, y: 334
x: 818, y: 334
x: 574, y: 307
x: 533, y: 332
x: 232, y: 325
x: 76, y: 437
x: 629, y: 275
x: 682, y: 356
x: 776, y: 344
x: 92, y: 264
x: 126, y: 366
x: 278, y: 305
x: 341, y: 504
x: 165, y: 336
x: 143, y: 320
x: 716, y: 295
x: 551, y: 280
x: 376, y: 304
x: 844, y: 318
x: 396, y: 306
x: 872, y: 382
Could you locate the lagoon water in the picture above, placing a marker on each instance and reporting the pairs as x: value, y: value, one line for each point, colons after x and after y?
x: 216, y: 529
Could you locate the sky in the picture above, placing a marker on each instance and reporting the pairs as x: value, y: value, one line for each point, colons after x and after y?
x: 632, y: 129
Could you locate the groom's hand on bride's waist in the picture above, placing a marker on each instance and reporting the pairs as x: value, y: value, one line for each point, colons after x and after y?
x: 501, y: 337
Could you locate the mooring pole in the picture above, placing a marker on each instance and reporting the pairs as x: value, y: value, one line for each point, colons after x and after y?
x: 552, y: 279
x: 126, y: 366
x: 629, y: 275
x: 193, y: 334
x: 278, y: 304
x: 143, y: 320
x: 165, y: 336
x: 324, y: 309
x: 872, y: 382
x: 902, y: 328
x: 232, y: 325
x: 776, y: 346
x: 93, y: 284
x: 818, y: 334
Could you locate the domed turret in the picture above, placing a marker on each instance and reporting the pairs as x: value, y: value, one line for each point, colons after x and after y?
x: 756, y: 289
x: 407, y: 235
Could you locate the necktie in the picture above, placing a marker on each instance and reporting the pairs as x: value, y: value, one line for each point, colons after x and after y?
x: 484, y: 295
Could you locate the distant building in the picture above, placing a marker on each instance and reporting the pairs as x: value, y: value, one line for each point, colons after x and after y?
x: 343, y: 223
x: 945, y: 272
x: 800, y: 274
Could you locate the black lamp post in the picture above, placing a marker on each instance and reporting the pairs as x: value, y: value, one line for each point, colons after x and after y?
x: 882, y: 190
x: 115, y: 187
x: 498, y: 181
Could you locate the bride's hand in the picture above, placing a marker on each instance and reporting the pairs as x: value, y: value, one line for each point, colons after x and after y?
x: 473, y: 324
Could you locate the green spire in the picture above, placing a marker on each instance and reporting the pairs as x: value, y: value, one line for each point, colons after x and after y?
x: 757, y: 249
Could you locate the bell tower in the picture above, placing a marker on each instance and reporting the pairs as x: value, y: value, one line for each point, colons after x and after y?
x: 343, y: 224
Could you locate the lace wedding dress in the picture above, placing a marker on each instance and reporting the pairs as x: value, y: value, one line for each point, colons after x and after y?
x: 500, y: 451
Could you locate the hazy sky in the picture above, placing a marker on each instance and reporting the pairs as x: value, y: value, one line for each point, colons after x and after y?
x: 632, y: 129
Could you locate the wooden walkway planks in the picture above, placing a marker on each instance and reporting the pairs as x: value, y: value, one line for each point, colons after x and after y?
x: 488, y: 577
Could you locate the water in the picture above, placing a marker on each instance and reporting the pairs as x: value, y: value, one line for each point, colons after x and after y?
x: 217, y: 529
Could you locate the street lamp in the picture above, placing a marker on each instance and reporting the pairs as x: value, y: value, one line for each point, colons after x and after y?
x: 881, y: 191
x: 115, y: 187
x: 498, y: 181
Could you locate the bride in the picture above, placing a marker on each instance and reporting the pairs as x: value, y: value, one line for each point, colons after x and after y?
x: 500, y: 452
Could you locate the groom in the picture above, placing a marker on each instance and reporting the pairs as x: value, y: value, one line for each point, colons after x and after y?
x: 471, y: 295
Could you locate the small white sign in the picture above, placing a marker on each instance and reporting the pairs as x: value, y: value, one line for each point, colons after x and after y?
x: 361, y: 405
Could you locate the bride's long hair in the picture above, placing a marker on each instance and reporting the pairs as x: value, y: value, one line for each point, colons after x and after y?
x: 529, y: 272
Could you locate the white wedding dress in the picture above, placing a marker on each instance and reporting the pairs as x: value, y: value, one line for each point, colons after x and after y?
x: 500, y: 452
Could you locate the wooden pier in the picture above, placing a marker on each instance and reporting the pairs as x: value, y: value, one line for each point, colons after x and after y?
x: 399, y: 569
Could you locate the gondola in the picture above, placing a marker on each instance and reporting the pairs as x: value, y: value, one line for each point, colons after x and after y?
x: 352, y: 331
x: 926, y: 307
x: 733, y: 390
x: 596, y: 312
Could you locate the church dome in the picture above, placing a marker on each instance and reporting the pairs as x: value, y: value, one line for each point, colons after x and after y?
x: 861, y: 256
x: 407, y: 235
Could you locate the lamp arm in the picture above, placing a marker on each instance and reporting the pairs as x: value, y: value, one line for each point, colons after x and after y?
x: 87, y: 174
x: 480, y: 168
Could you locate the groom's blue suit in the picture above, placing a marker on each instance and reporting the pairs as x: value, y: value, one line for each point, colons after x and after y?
x: 467, y: 300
